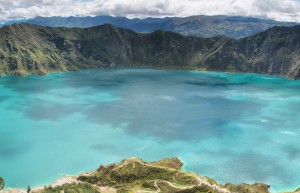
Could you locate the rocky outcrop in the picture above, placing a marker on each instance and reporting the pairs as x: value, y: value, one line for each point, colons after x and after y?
x: 26, y: 48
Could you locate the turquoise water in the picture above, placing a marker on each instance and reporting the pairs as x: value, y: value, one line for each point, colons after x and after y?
x: 232, y: 127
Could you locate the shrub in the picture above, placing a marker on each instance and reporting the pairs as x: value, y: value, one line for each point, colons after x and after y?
x: 2, y: 184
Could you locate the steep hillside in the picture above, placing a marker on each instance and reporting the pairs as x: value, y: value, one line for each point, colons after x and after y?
x: 275, y: 51
x: 26, y: 48
x: 202, y: 26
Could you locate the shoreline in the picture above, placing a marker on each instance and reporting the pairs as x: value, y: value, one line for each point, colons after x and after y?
x: 174, y: 68
x: 73, y: 179
x: 69, y: 179
x: 66, y: 179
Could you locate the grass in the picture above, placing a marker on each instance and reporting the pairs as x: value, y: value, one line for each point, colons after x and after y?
x: 71, y: 188
x: 135, y: 175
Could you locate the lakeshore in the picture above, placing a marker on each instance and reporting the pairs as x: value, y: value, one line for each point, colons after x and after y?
x: 198, y: 116
x: 138, y: 176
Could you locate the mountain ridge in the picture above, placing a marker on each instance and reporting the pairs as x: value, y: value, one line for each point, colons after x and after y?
x: 199, y: 25
x: 27, y: 48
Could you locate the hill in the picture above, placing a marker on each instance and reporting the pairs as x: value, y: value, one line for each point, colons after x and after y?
x: 136, y: 175
x: 27, y: 48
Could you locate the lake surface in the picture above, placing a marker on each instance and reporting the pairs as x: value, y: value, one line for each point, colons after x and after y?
x: 232, y: 127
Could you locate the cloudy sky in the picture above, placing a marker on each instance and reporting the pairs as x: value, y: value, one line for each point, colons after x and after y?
x: 284, y: 10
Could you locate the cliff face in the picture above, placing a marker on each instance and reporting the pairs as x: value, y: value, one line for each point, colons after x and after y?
x: 275, y: 51
x: 26, y: 48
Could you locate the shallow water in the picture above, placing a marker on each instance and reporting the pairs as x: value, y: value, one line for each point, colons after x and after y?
x: 232, y: 127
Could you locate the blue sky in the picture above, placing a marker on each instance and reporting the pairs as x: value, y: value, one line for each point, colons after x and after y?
x: 284, y: 10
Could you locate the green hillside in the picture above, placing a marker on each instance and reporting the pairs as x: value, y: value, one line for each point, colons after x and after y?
x: 26, y: 48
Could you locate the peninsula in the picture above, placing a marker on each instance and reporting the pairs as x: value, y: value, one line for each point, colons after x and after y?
x: 135, y: 175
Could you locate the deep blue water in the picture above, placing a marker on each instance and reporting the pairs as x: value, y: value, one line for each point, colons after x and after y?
x: 232, y: 127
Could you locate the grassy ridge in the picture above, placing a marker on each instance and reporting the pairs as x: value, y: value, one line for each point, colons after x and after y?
x: 71, y: 188
x: 165, y: 176
x: 133, y: 175
x: 34, y: 49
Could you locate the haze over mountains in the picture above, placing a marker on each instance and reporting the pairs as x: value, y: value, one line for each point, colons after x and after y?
x: 202, y: 26
x: 27, y: 48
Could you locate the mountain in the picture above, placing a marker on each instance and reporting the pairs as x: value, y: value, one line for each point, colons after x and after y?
x: 27, y: 48
x: 201, y: 26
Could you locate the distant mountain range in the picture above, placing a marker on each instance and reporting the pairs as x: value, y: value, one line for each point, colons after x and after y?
x: 201, y: 26
x: 27, y: 48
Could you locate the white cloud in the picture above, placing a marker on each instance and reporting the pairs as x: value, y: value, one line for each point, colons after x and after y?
x: 284, y: 10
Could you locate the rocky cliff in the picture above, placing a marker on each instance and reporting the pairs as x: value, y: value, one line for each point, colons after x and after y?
x: 26, y: 48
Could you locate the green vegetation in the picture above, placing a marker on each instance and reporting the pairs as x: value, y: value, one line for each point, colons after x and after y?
x: 71, y: 188
x: 211, y: 181
x: 149, y: 185
x: 26, y: 48
x: 199, y: 189
x: 247, y: 188
x: 174, y: 163
x: 134, y: 175
x: 166, y: 188
x: 2, y: 183
x: 163, y: 176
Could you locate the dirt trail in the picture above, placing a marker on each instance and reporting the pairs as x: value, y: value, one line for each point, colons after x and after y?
x: 200, y: 180
x: 73, y: 179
